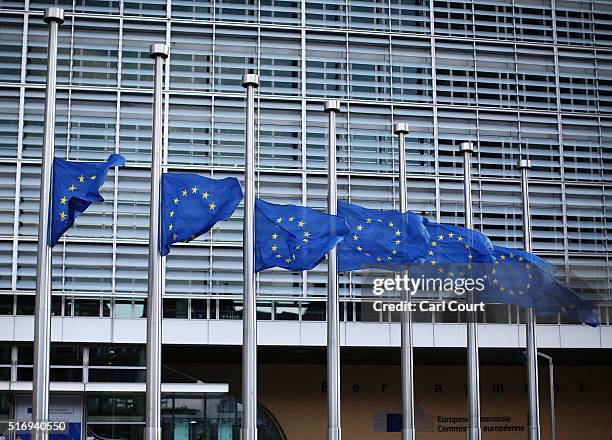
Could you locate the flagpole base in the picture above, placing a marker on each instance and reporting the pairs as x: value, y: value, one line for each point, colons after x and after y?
x: 408, y: 434
x: 334, y: 433
x: 473, y: 433
x: 152, y: 434
x: 248, y: 434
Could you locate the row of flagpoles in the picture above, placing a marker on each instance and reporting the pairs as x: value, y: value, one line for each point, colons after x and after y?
x: 160, y: 52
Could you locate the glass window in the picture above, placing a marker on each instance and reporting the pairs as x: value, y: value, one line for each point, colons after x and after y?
x: 92, y: 126
x: 184, y: 275
x: 194, y: 9
x: 25, y: 304
x: 369, y: 68
x: 496, y: 72
x: 11, y: 31
x: 9, y: 121
x: 236, y: 10
x: 279, y: 11
x: 123, y: 308
x: 493, y: 19
x: 326, y: 66
x: 326, y: 13
x: 313, y: 311
x: 411, y: 70
x: 574, y: 22
x: 6, y: 304
x: 286, y: 311
x: 264, y: 310
x: 533, y: 20
x: 453, y: 18
x: 198, y: 308
x: 87, y: 307
x: 235, y: 54
x: 455, y: 72
x: 117, y: 355
x: 280, y: 134
x: 95, y: 52
x: 115, y: 409
x: 280, y: 62
x: 136, y: 63
x: 369, y: 14
x: 191, y: 61
x: 229, y: 309
x: 176, y: 308
x: 410, y: 16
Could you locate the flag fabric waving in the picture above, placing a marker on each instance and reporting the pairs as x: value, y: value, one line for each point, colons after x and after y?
x: 453, y: 252
x: 293, y: 237
x: 383, y: 239
x: 191, y: 205
x: 521, y: 278
x: 76, y: 185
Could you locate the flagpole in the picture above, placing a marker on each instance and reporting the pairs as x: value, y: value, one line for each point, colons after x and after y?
x: 532, y: 348
x: 407, y: 351
x: 54, y: 17
x: 334, y: 429
x: 467, y: 148
x: 249, y: 318
x: 159, y: 52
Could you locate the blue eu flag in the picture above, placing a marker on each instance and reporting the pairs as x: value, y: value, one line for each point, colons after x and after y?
x: 521, y: 278
x: 454, y: 251
x: 382, y: 239
x: 293, y: 237
x: 192, y: 204
x: 76, y: 185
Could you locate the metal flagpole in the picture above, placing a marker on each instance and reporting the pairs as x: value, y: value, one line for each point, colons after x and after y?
x: 54, y: 17
x: 467, y: 148
x: 532, y: 349
x: 551, y: 386
x: 407, y: 352
x: 159, y: 52
x: 334, y: 429
x: 249, y: 315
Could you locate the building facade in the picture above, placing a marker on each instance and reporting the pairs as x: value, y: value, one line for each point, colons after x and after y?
x: 520, y: 78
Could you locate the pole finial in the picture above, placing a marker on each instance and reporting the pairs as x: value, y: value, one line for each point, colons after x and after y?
x: 332, y: 106
x: 250, y: 79
x: 523, y: 164
x: 401, y: 127
x: 466, y: 147
x: 159, y: 50
x: 54, y: 14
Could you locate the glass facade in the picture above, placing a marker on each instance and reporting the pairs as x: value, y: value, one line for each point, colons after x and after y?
x: 519, y: 78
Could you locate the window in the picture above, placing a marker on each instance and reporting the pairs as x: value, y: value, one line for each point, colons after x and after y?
x: 369, y: 68
x: 326, y: 67
x: 11, y: 31
x: 95, y: 51
x: 235, y: 54
x: 190, y: 130
x: 280, y: 62
x: 577, y: 80
x: 136, y: 63
x: 326, y: 13
x: 456, y: 81
x: 191, y: 60
x: 411, y: 70
x: 410, y: 16
x: 496, y: 73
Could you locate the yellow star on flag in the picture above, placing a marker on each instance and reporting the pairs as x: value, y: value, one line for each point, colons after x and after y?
x: 194, y: 190
x: 205, y: 195
x: 63, y: 200
x: 72, y: 187
x: 212, y: 206
x: 62, y: 215
x: 82, y: 179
